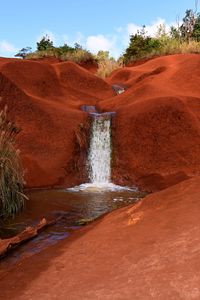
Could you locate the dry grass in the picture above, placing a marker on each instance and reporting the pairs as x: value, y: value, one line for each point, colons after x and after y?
x: 41, y: 54
x: 106, y: 67
x: 175, y: 47
x: 77, y: 56
x: 11, y: 174
x: 192, y: 47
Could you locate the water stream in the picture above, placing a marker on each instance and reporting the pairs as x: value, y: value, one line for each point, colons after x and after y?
x: 76, y: 209
x: 100, y: 154
x: 77, y: 205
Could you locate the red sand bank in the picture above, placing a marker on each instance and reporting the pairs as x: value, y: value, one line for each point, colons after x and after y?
x: 147, y: 251
x: 157, y: 136
x: 157, y: 128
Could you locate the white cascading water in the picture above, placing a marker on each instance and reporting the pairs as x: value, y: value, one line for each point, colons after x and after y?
x: 100, y: 151
x: 99, y: 157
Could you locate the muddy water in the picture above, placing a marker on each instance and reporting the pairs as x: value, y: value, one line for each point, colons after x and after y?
x: 76, y: 208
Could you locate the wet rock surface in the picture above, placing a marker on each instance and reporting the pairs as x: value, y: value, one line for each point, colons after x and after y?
x: 150, y: 250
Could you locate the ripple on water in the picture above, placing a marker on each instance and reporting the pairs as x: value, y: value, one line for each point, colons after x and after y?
x: 77, y: 206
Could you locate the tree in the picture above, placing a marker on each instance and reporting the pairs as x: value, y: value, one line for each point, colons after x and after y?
x: 66, y: 48
x: 161, y: 31
x: 45, y: 43
x: 196, y: 30
x: 140, y: 45
x: 23, y: 52
x: 175, y: 33
x: 77, y: 46
x: 162, y: 34
x: 188, y: 24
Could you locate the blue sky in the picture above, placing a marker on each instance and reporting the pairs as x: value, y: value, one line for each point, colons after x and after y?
x: 96, y: 24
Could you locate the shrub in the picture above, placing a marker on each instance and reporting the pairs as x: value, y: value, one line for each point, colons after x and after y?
x: 78, y: 55
x: 192, y: 47
x: 140, y: 46
x: 180, y: 39
x: 45, y: 43
x: 23, y: 52
x: 53, y: 52
x: 102, y: 55
x: 106, y: 64
x: 106, y: 67
x: 11, y: 174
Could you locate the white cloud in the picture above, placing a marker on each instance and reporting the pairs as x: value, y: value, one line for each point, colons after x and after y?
x: 133, y: 28
x: 6, y: 47
x: 94, y: 43
x: 65, y: 38
x: 151, y: 29
x: 79, y: 38
x: 98, y: 42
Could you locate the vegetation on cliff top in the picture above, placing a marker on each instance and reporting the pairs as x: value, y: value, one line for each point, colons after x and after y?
x: 184, y: 38
x: 45, y: 48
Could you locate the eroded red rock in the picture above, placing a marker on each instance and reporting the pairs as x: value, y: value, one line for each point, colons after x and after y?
x: 150, y: 250
x: 157, y: 128
x: 156, y: 137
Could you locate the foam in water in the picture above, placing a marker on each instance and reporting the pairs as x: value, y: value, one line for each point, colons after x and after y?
x: 99, y: 158
x: 96, y: 188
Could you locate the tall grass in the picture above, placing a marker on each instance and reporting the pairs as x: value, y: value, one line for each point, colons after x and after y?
x: 12, y: 199
x: 107, y: 66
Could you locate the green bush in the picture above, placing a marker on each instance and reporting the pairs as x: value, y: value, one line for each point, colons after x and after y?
x: 140, y: 46
x: 76, y: 54
x: 183, y: 39
x: 45, y: 43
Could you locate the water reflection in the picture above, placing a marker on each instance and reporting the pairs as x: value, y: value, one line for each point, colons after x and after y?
x: 72, y: 206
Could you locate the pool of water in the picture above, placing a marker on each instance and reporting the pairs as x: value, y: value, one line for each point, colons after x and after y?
x: 75, y: 209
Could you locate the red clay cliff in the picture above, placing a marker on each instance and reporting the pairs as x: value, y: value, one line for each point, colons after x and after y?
x: 156, y: 135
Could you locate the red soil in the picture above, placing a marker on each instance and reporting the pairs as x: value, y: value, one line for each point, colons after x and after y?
x: 147, y: 251
x: 157, y: 135
x: 90, y: 66
x: 157, y: 126
x: 44, y: 100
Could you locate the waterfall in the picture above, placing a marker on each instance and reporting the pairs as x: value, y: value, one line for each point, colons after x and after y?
x: 100, y: 150
x: 99, y: 156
